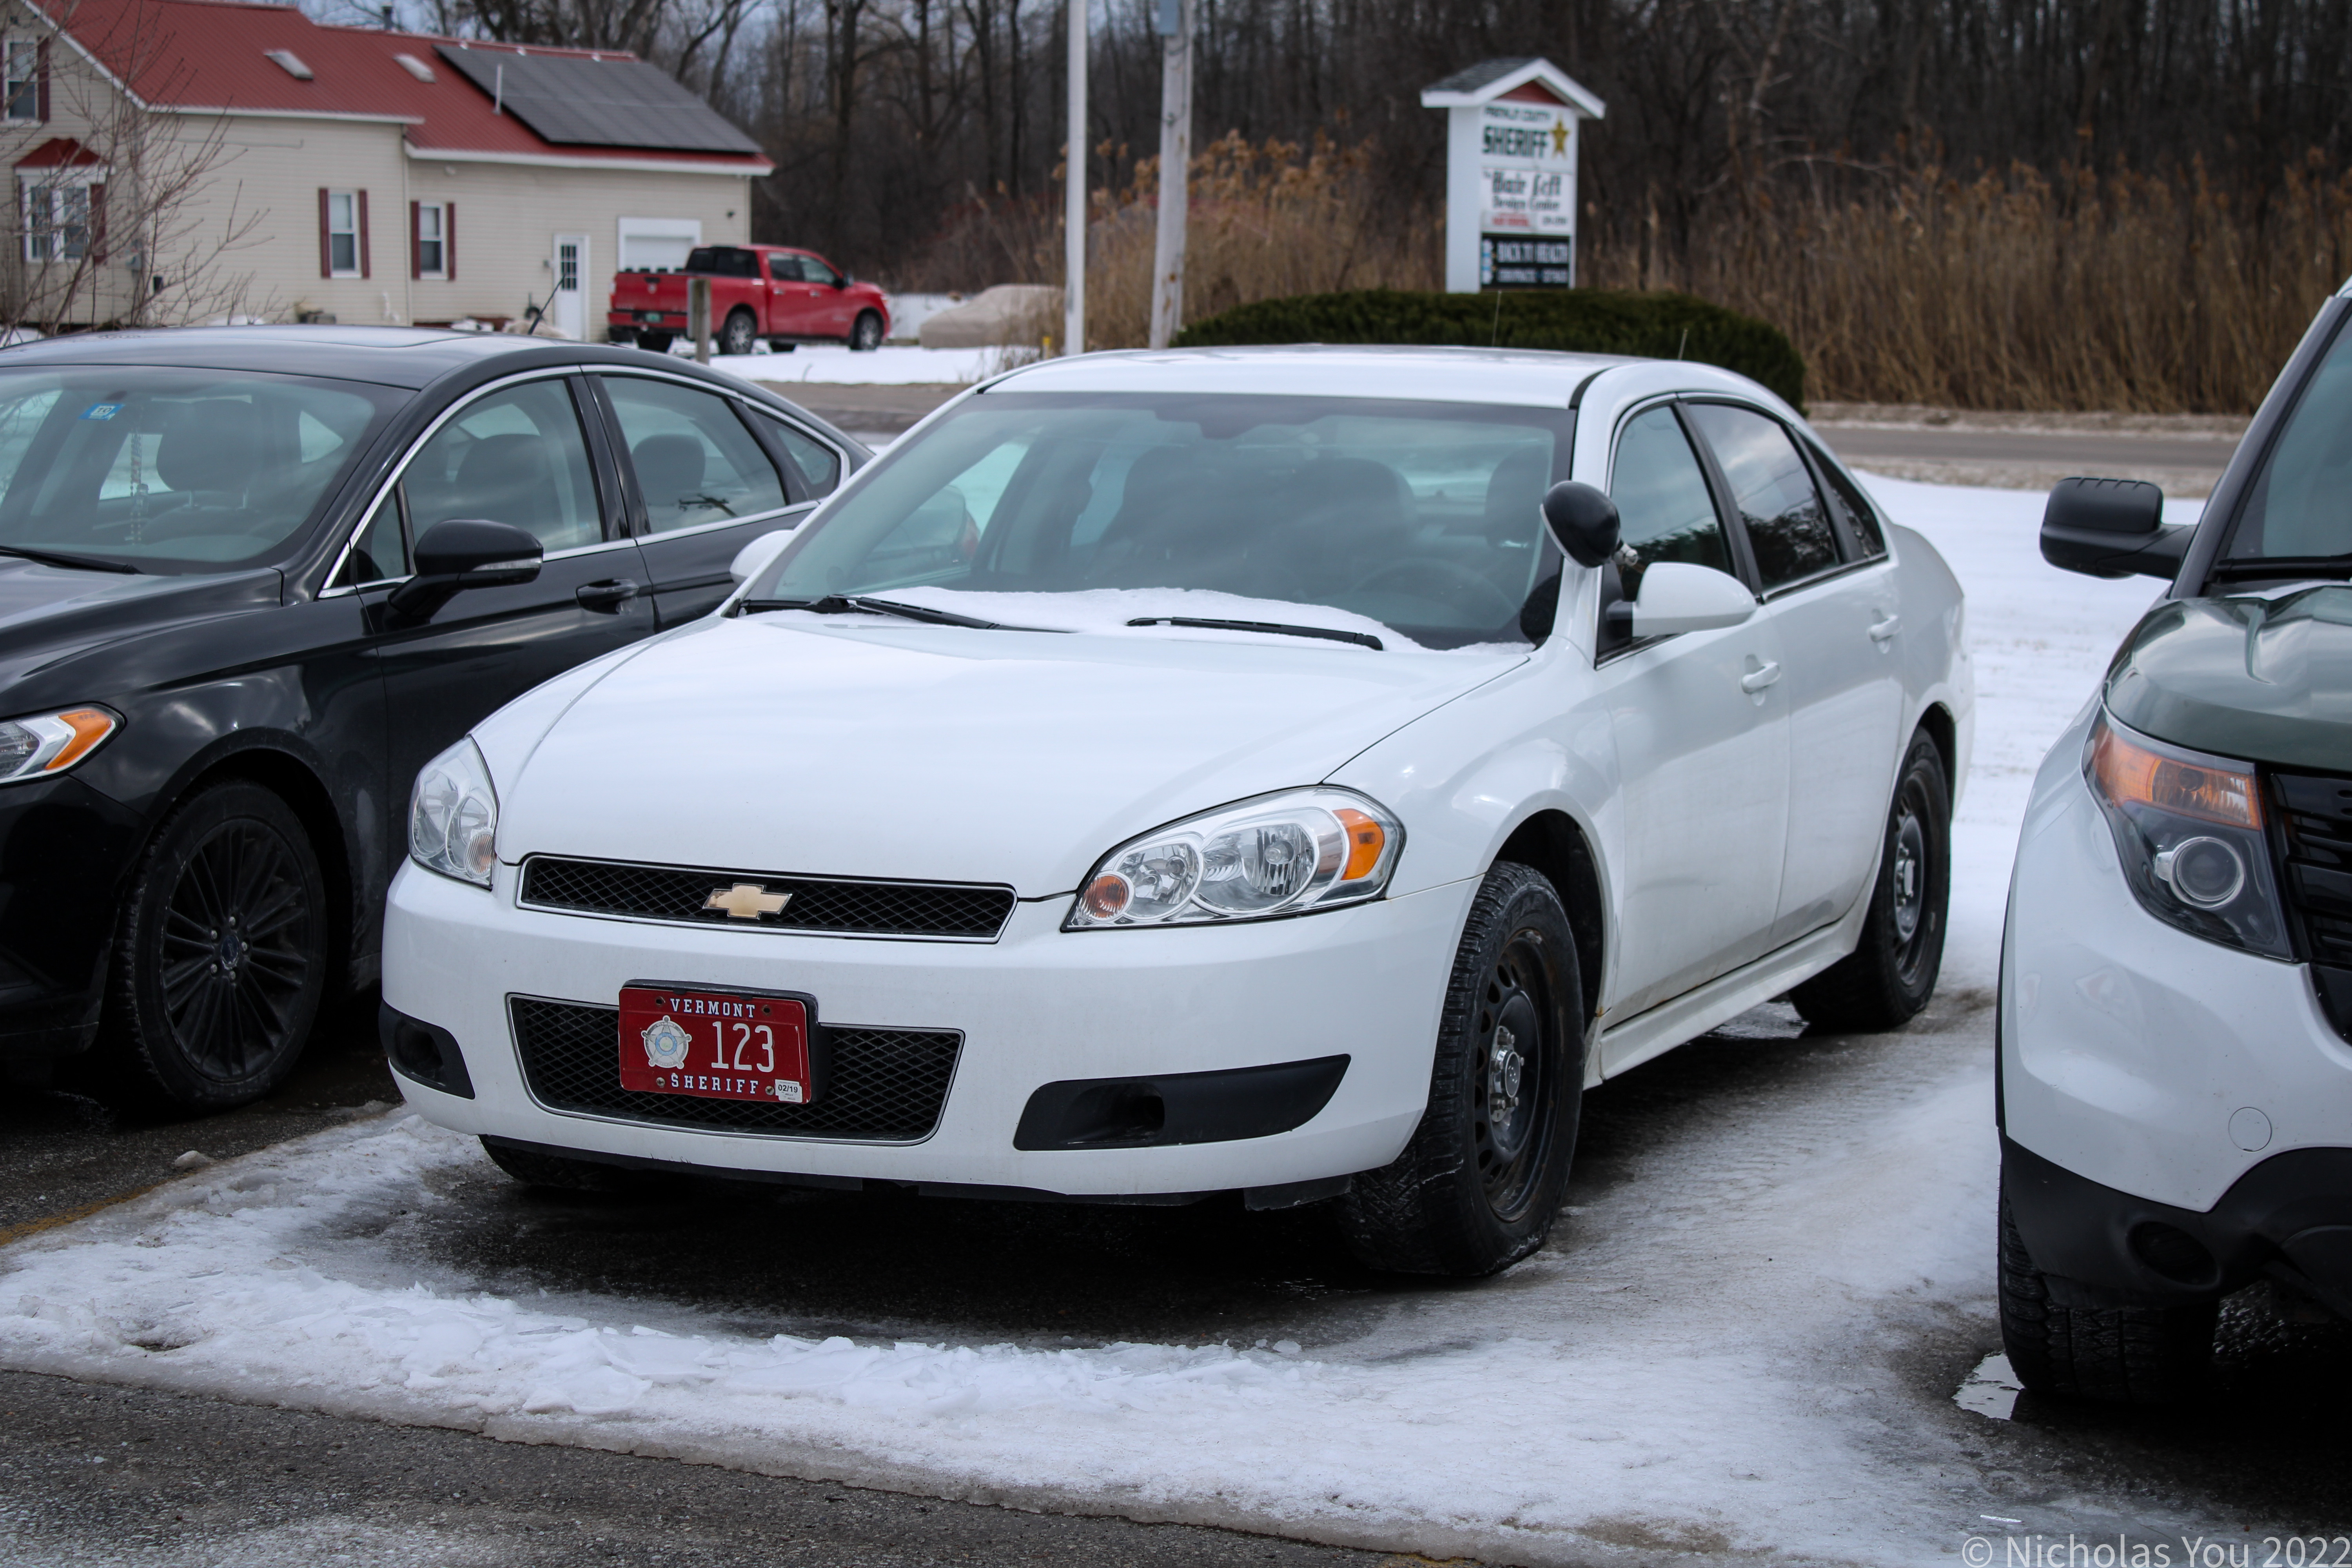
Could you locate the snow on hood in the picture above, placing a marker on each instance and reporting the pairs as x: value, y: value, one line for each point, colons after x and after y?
x: 853, y: 745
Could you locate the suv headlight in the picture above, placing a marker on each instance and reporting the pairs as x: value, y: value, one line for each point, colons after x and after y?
x: 2188, y: 830
x: 1283, y: 854
x: 49, y: 743
x: 453, y: 816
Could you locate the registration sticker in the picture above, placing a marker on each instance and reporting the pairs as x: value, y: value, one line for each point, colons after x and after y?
x: 102, y: 411
x: 715, y: 1045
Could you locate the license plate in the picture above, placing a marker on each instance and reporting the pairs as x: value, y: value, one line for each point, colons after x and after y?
x: 654, y: 317
x: 716, y: 1044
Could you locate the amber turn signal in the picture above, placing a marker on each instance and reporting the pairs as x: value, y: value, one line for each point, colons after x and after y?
x: 1366, y: 839
x: 1106, y: 897
x: 2132, y: 775
x: 90, y: 726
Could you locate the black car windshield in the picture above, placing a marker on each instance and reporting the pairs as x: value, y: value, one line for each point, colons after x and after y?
x: 172, y: 469
x: 1416, y: 519
x: 2301, y: 505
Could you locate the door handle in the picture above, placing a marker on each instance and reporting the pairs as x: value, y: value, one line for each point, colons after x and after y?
x: 1757, y: 679
x: 608, y: 595
x: 1880, y: 631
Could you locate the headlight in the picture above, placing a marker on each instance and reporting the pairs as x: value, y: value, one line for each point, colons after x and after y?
x: 1277, y: 855
x: 453, y: 816
x: 51, y: 743
x: 2188, y: 830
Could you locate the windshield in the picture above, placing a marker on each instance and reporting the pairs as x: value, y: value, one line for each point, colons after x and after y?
x: 2301, y: 506
x: 172, y: 471
x: 1424, y: 519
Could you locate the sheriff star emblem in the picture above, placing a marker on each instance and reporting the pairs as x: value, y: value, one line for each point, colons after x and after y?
x: 746, y: 901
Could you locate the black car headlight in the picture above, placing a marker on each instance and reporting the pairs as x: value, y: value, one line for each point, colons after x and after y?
x: 2188, y: 830
x: 41, y: 745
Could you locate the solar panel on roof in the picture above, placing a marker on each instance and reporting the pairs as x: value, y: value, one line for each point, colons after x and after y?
x: 602, y: 103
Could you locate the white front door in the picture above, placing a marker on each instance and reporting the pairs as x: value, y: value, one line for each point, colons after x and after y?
x: 568, y: 309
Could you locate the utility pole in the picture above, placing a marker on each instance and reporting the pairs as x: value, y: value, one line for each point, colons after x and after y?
x: 1073, y: 191
x: 1174, y: 25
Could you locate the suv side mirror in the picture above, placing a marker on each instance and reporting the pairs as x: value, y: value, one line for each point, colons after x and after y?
x: 1584, y: 520
x: 462, y: 552
x: 2111, y: 528
x: 1682, y: 597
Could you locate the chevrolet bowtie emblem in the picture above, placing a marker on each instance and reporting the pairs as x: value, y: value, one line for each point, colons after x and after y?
x: 746, y: 901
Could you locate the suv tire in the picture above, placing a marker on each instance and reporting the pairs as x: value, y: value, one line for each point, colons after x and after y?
x: 1892, y: 971
x: 2125, y: 1355
x: 1478, y: 1187
x: 220, y: 952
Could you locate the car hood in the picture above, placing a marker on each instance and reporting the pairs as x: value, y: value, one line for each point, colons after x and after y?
x: 2262, y: 679
x: 825, y: 746
x: 49, y: 614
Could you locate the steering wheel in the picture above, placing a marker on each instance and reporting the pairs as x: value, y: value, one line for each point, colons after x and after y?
x: 1421, y: 566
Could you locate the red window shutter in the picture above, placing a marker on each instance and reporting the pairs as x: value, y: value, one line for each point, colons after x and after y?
x: 449, y: 240
x: 364, y: 270
x: 416, y: 239
x: 326, y: 240
x: 41, y: 78
x: 97, y: 222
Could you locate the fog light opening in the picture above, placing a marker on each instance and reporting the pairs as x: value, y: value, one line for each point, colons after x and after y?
x: 2174, y: 1253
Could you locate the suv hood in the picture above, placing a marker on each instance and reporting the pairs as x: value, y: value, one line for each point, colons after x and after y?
x: 2262, y: 679
x: 822, y: 746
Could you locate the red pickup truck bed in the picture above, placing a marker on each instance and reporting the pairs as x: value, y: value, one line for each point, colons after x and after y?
x: 757, y: 292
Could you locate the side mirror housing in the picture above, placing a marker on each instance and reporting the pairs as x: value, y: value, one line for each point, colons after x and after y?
x: 462, y: 552
x: 1678, y: 596
x: 755, y: 557
x: 1584, y: 520
x: 2111, y: 528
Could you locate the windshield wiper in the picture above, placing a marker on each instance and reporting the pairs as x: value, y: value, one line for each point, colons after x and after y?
x: 1328, y: 633
x: 850, y: 603
x: 66, y: 558
x: 2285, y: 566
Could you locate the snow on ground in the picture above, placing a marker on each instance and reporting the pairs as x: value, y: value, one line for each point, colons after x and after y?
x: 892, y: 365
x: 1703, y: 1363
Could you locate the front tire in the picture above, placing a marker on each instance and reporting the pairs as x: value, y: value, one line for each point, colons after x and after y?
x: 866, y: 335
x: 2123, y: 1355
x: 1478, y: 1187
x: 220, y: 953
x: 740, y: 333
x: 1892, y: 972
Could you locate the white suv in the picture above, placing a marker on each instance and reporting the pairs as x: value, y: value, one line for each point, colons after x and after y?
x: 1293, y: 772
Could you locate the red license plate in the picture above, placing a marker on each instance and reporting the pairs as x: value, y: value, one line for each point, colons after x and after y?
x: 718, y: 1045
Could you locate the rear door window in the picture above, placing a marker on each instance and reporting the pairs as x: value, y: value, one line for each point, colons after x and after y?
x: 695, y: 461
x: 1787, y: 523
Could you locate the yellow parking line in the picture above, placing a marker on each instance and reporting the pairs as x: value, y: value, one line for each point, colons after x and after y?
x: 15, y: 1233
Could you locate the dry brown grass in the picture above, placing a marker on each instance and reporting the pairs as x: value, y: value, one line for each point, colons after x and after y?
x: 2006, y: 290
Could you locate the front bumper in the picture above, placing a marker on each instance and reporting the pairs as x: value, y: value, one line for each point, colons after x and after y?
x: 64, y: 848
x: 2137, y: 1056
x: 1039, y: 1006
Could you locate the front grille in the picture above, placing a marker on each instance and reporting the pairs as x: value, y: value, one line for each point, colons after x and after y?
x: 2316, y: 813
x: 886, y: 1084
x: 826, y: 906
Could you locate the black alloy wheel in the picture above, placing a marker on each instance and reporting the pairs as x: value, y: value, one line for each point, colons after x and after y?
x: 866, y: 335
x: 1478, y: 1187
x: 1892, y: 972
x: 740, y: 333
x: 220, y: 955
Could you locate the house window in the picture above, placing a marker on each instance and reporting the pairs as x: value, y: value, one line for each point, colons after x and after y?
x: 343, y: 233
x: 432, y: 231
x: 22, y: 91
x: 57, y: 219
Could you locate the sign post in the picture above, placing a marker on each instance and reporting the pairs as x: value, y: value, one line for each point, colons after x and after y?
x: 1074, y: 194
x: 1510, y: 174
x: 1174, y: 25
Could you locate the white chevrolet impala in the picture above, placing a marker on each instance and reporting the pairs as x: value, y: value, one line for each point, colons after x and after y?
x: 1296, y: 772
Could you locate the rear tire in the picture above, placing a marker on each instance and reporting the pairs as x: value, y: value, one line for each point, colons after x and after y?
x: 866, y: 336
x: 1892, y: 972
x: 220, y: 952
x: 740, y: 333
x: 559, y: 1173
x: 1478, y: 1187
x: 2124, y: 1355
x: 655, y: 343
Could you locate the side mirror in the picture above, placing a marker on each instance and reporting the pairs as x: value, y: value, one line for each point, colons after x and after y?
x: 755, y: 557
x: 1678, y: 596
x: 1584, y: 520
x: 842, y: 280
x: 462, y: 552
x: 2111, y: 528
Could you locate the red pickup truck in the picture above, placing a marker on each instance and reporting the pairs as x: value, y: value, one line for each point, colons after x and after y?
x: 757, y: 292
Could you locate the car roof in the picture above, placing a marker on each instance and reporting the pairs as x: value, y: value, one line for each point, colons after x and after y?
x: 1417, y: 374
x: 395, y: 356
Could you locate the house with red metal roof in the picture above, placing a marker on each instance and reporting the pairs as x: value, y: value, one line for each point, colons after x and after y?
x: 183, y: 160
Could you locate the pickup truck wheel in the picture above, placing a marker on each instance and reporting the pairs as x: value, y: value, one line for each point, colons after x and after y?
x: 740, y: 333
x: 655, y: 343
x: 866, y: 335
x: 1892, y: 971
x: 2155, y: 1355
x: 1477, y: 1188
x: 220, y: 952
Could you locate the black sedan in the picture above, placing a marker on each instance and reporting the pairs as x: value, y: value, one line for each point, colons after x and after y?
x: 250, y: 580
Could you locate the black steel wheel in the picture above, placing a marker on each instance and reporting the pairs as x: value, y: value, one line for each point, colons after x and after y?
x: 1893, y: 968
x: 220, y: 952
x: 740, y: 333
x: 866, y: 335
x: 1478, y: 1185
